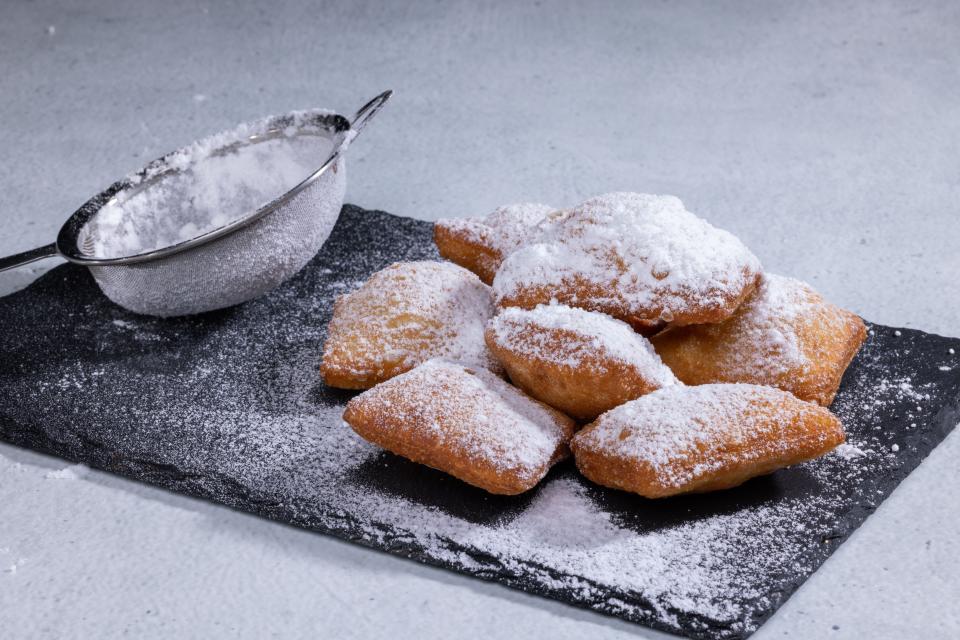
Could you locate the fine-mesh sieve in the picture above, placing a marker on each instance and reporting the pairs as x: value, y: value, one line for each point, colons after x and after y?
x: 238, y: 260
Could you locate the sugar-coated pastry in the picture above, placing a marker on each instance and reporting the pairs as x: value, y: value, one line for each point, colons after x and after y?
x: 785, y: 335
x: 641, y: 258
x: 716, y: 436
x: 402, y: 316
x: 580, y: 362
x: 481, y: 244
x: 466, y: 422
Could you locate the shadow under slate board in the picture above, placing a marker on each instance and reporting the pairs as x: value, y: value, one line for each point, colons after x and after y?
x: 228, y: 406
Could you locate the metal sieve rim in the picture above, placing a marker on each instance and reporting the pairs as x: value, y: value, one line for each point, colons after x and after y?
x: 67, y: 243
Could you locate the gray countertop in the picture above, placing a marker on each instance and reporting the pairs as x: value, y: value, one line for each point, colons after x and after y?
x: 826, y: 136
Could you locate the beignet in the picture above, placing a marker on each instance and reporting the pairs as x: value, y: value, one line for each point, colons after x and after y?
x: 466, y: 422
x: 681, y: 439
x: 580, y: 362
x: 402, y: 316
x: 481, y: 244
x: 641, y: 258
x: 785, y: 335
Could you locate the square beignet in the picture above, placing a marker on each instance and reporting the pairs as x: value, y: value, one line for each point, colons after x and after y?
x: 404, y: 315
x: 481, y: 244
x: 580, y: 362
x: 684, y: 439
x: 640, y: 258
x: 785, y: 335
x: 466, y: 422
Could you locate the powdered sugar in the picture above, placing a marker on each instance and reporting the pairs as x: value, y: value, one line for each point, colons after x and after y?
x: 210, y: 187
x: 707, y: 423
x: 488, y: 419
x: 771, y: 315
x: 594, y: 335
x: 504, y: 229
x: 784, y: 335
x: 903, y: 386
x: 565, y: 528
x: 765, y: 343
x: 849, y: 451
x: 408, y: 313
x: 644, y: 255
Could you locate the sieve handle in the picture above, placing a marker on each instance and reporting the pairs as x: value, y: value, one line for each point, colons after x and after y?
x: 27, y: 257
x: 369, y: 110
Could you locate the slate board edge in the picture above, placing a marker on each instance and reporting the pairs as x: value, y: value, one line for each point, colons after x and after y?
x: 227, y: 492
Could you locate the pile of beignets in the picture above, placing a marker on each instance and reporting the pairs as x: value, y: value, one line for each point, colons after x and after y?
x: 634, y: 335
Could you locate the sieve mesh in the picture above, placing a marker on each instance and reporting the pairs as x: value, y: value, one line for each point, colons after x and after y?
x: 237, y: 267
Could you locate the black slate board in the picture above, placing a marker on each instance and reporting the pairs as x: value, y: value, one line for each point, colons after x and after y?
x: 228, y: 406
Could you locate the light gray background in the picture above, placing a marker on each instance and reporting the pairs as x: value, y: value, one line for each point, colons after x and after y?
x: 825, y: 135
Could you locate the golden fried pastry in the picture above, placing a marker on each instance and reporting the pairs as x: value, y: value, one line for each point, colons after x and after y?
x: 481, y: 244
x: 466, y: 422
x: 693, y: 439
x: 643, y: 259
x: 580, y: 362
x: 402, y: 316
x: 785, y: 335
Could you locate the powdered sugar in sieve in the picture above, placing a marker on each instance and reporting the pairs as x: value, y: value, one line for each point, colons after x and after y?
x: 208, y: 187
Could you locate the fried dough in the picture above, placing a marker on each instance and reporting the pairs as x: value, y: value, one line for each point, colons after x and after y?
x: 580, y: 362
x: 785, y: 335
x: 402, y: 316
x: 466, y: 422
x: 640, y: 258
x: 693, y: 439
x: 481, y: 244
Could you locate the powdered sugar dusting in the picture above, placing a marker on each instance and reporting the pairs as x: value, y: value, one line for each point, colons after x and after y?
x: 483, y: 415
x: 504, y: 229
x: 670, y: 426
x: 767, y: 322
x: 849, y: 451
x: 903, y: 387
x: 765, y: 343
x: 411, y: 312
x: 644, y: 254
x: 594, y: 335
x: 769, y: 338
x: 565, y: 528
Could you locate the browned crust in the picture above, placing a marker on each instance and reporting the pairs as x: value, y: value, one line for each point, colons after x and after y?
x: 583, y: 392
x: 699, y: 354
x: 855, y: 332
x: 359, y: 353
x: 474, y: 255
x: 340, y: 366
x: 397, y: 424
x: 649, y: 321
x: 388, y: 434
x: 808, y: 434
x: 343, y: 378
